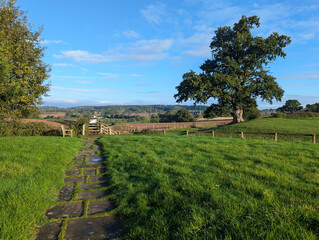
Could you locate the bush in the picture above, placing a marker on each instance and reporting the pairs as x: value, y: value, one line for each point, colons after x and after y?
x: 296, y: 115
x: 148, y: 131
x: 78, y: 125
x: 15, y: 128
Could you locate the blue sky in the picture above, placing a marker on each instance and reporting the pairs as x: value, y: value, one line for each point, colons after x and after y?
x: 135, y: 52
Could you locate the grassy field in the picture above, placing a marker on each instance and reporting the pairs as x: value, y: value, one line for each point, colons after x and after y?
x: 280, y: 125
x: 31, y: 174
x: 178, y: 187
x: 264, y: 125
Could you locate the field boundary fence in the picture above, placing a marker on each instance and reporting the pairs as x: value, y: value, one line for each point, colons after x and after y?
x: 243, y: 134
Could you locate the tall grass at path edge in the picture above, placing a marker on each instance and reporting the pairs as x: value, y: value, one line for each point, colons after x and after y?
x: 31, y: 174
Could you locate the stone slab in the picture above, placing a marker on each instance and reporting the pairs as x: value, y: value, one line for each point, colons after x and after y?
x: 72, y: 172
x: 66, y: 210
x: 99, y: 178
x: 74, y: 179
x: 88, y: 186
x: 100, y: 206
x: 94, y: 228
x: 92, y: 194
x: 78, y: 160
x: 49, y: 231
x: 89, y: 171
x: 94, y: 165
x: 66, y: 193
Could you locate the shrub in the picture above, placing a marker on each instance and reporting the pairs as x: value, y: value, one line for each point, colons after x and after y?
x: 15, y: 128
x: 78, y: 125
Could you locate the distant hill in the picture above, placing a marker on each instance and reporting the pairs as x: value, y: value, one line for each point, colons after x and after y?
x: 123, y: 109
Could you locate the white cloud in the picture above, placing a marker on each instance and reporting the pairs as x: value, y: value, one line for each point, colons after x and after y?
x: 141, y: 51
x: 131, y: 34
x: 46, y: 42
x: 84, y: 82
x: 87, y: 77
x: 135, y: 75
x: 153, y: 45
x: 197, y: 45
x: 62, y: 64
x: 63, y: 102
x: 58, y: 100
x: 55, y: 88
x: 143, y: 84
x: 83, y: 56
x: 199, y: 52
x: 109, y: 75
x: 296, y: 85
x: 309, y: 76
x: 154, y: 13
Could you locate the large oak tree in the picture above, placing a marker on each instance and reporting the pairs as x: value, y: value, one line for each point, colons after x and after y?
x: 236, y: 75
x: 23, y: 74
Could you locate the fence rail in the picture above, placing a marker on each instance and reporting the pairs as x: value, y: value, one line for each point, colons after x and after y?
x: 242, y: 134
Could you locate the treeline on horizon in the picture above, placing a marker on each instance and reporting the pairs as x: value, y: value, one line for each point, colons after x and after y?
x: 122, y: 109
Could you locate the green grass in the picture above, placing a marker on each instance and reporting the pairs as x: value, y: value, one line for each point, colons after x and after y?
x: 280, y: 125
x: 264, y: 125
x: 178, y: 187
x: 31, y: 174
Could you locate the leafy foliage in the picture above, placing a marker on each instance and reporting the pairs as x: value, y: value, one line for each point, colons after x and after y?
x: 236, y: 74
x: 16, y: 128
x: 184, y: 115
x: 312, y: 107
x: 23, y: 73
x: 290, y: 106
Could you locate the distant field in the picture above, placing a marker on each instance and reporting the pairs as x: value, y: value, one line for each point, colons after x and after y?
x: 31, y: 174
x: 178, y: 187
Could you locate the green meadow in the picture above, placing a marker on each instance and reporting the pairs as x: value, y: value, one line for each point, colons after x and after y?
x: 279, y: 125
x: 31, y: 174
x: 178, y: 187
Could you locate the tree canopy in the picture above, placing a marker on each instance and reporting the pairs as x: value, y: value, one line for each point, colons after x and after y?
x: 236, y: 75
x: 23, y: 73
x: 290, y: 106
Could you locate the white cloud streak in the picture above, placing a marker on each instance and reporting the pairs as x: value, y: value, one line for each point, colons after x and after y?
x: 56, y: 88
x: 154, y: 13
x: 131, y: 34
x: 141, y: 51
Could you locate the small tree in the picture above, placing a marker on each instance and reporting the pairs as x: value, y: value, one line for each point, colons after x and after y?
x: 290, y: 106
x: 312, y: 107
x: 183, y: 115
x: 236, y: 75
x: 23, y: 73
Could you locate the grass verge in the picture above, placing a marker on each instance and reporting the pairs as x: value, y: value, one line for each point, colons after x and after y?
x: 31, y: 174
x: 177, y: 187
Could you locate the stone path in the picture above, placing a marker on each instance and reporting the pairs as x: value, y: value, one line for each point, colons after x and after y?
x: 83, y: 209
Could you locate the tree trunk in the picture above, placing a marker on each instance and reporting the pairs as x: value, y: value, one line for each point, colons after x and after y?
x: 238, y: 115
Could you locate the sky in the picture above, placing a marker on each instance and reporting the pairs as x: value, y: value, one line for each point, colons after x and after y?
x: 136, y: 52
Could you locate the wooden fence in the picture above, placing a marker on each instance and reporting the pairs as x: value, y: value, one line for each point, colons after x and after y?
x: 242, y: 134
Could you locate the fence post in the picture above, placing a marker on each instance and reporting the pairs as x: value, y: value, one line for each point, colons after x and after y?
x: 164, y: 132
x: 213, y: 134
x: 276, y: 136
x: 314, y: 138
x: 186, y: 133
x: 242, y: 135
x: 83, y: 129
